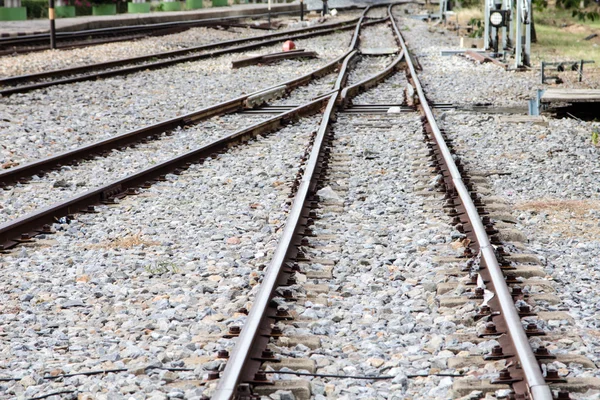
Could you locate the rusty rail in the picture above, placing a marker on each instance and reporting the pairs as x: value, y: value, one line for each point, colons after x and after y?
x: 353, y: 90
x: 173, y: 53
x: 536, y: 385
x: 32, y: 224
x: 273, y: 57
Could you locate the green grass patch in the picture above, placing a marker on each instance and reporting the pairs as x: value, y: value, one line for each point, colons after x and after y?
x: 565, y: 43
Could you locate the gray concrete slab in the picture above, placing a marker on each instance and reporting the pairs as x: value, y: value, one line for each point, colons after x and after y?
x: 96, y: 22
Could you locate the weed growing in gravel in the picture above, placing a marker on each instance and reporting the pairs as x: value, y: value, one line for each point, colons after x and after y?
x: 595, y: 134
x: 125, y: 242
x: 161, y: 268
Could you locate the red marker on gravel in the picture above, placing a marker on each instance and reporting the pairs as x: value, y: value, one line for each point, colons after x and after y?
x: 289, y: 45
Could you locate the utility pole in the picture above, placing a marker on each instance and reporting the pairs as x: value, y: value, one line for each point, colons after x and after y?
x: 51, y: 17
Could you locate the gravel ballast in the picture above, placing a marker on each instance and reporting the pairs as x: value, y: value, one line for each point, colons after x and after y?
x: 379, y: 316
x: 548, y: 179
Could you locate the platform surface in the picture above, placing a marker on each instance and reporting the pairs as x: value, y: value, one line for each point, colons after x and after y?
x: 97, y: 22
x: 571, y: 96
x: 29, y: 27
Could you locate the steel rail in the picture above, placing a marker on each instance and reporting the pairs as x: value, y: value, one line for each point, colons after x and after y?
x: 162, y: 64
x: 537, y: 385
x: 246, y: 346
x: 32, y: 223
x: 173, y: 53
x: 37, y: 167
x: 352, y: 90
x: 254, y: 336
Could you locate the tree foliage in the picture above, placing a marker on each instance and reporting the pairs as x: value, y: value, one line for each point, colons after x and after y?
x: 580, y: 9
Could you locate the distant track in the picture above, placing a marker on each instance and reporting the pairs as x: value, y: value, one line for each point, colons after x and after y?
x: 25, y: 83
x: 91, y: 37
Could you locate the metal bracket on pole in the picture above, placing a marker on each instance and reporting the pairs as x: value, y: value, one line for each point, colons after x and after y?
x: 535, y: 105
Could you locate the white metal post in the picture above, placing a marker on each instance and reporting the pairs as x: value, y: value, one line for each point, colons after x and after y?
x: 518, y: 33
x: 506, y: 5
x: 486, y: 22
x: 528, y: 21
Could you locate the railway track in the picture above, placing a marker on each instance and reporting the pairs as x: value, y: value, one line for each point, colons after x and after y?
x: 91, y: 37
x: 25, y: 83
x: 89, y: 111
x: 323, y: 314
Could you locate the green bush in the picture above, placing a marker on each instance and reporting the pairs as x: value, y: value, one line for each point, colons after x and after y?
x: 35, y: 8
x: 82, y: 10
x: 469, y: 3
x: 39, y: 8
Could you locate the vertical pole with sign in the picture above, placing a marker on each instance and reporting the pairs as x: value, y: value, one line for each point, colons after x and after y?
x: 51, y: 17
